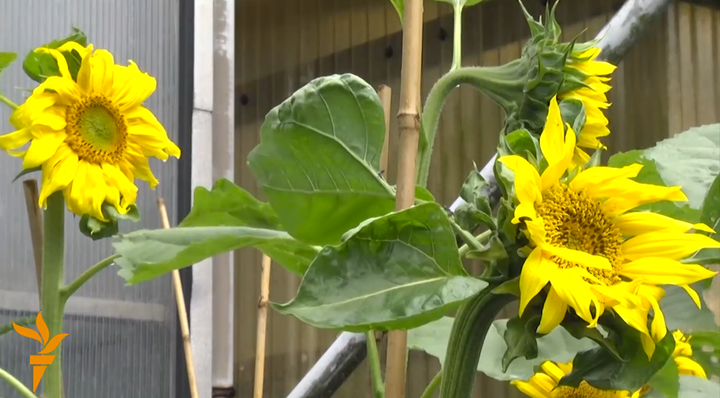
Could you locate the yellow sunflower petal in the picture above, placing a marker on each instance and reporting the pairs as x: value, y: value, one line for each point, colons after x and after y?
x: 527, y: 179
x: 552, y: 370
x: 688, y: 367
x: 103, y: 70
x: 84, y: 77
x: 67, y: 92
x: 530, y: 389
x: 71, y: 45
x: 579, y: 257
x: 641, y: 222
x: 129, y: 96
x: 126, y: 187
x: 553, y: 312
x: 693, y: 295
x: 648, y: 345
x: 664, y: 271
x: 60, y: 171
x: 15, y: 139
x: 658, y: 328
x: 552, y: 139
x: 535, y: 274
x: 554, y: 171
x: 41, y: 149
x: 666, y: 245
x: 601, y: 175
x: 635, y: 318
x: 575, y: 292
x: 59, y: 58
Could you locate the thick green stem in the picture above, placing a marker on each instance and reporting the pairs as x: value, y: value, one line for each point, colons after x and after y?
x: 17, y: 385
x: 503, y: 84
x: 52, y: 304
x: 457, y: 38
x: 433, y: 386
x: 466, y: 341
x: 5, y: 100
x: 374, y: 362
x: 68, y: 290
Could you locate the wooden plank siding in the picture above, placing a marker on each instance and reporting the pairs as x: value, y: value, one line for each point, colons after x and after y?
x: 669, y: 82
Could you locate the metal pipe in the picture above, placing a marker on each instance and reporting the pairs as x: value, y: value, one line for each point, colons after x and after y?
x: 349, y: 350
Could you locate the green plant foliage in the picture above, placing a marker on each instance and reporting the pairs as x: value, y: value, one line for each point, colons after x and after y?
x: 706, y: 351
x: 397, y: 271
x: 40, y: 66
x: 222, y: 219
x: 97, y: 229
x: 318, y: 159
x: 6, y: 59
x: 558, y: 346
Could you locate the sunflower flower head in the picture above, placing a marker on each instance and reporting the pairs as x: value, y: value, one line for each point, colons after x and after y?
x: 587, y: 250
x: 569, y: 71
x: 90, y: 134
x: 683, y: 356
x: 544, y: 384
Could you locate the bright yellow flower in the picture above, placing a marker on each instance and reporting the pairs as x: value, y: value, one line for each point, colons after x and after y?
x: 592, y: 97
x: 683, y: 356
x: 593, y: 252
x: 545, y: 385
x: 92, y: 137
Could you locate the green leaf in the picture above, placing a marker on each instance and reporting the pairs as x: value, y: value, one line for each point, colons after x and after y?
x: 520, y: 339
x: 229, y: 205
x: 557, y: 346
x: 423, y: 194
x: 148, y: 254
x: 573, y: 112
x: 399, y: 6
x: 40, y: 66
x: 6, y: 59
x: 397, y: 271
x: 319, y: 156
x: 696, y: 387
x: 706, y: 351
x: 25, y: 172
x: 682, y: 313
x: 222, y: 219
x: 710, y: 216
x: 666, y: 381
x: 601, y: 369
x: 461, y: 3
x: 476, y: 210
x: 521, y: 142
x: 97, y: 229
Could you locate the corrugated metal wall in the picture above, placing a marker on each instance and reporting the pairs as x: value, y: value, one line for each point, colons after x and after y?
x: 667, y: 83
x: 122, y: 339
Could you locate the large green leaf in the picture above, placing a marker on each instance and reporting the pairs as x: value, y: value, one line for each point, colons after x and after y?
x: 40, y: 66
x: 666, y: 382
x: 682, y: 313
x: 710, y: 215
x: 6, y: 59
x: 222, y: 219
x: 689, y: 160
x: 558, y: 346
x: 602, y: 369
x: 397, y: 271
x: 706, y: 351
x: 148, y: 254
x: 319, y: 156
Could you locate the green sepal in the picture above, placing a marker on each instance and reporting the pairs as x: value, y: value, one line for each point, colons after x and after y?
x: 476, y: 210
x: 25, y: 172
x: 573, y: 112
x: 40, y: 66
x: 521, y: 338
x: 97, y: 229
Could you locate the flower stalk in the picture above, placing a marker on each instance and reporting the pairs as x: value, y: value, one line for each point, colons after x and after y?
x: 52, y: 304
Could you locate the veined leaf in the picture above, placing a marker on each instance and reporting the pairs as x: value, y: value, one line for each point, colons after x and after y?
x: 397, y: 271
x: 319, y: 157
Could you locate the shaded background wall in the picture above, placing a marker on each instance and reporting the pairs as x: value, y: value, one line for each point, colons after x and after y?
x: 669, y: 82
x: 122, y: 339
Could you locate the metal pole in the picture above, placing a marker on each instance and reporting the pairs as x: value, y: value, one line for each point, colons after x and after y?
x: 349, y: 350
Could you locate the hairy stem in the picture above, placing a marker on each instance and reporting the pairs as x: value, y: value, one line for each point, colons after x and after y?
x: 5, y: 100
x: 457, y: 38
x: 52, y: 304
x: 466, y: 342
x: 16, y: 384
x: 374, y: 362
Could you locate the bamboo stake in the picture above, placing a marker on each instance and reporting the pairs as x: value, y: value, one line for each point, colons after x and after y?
x: 409, y: 126
x: 182, y: 312
x: 30, y: 188
x: 262, y: 327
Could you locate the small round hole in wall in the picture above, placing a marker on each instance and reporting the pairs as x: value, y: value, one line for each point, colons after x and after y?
x: 442, y: 34
x: 389, y: 51
x: 244, y: 99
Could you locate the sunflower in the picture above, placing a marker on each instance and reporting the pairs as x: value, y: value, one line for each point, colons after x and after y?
x: 683, y: 357
x: 90, y: 136
x: 594, y: 253
x: 544, y: 384
x: 594, y: 75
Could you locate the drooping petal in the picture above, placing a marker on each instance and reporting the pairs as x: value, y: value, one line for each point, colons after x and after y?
x: 527, y: 179
x: 693, y: 295
x: 552, y: 139
x: 688, y: 367
x: 553, y: 312
x: 666, y: 245
x: 15, y: 139
x: 600, y: 175
x: 41, y: 149
x: 575, y: 292
x: 579, y: 257
x: 103, y: 70
x: 535, y: 274
x: 129, y: 96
